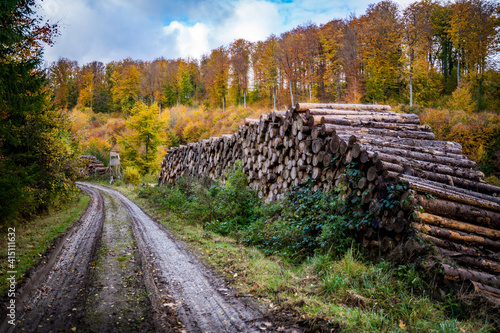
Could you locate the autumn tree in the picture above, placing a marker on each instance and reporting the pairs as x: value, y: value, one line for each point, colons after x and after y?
x: 351, y: 58
x: 421, y: 52
x: 87, y: 89
x: 330, y: 70
x: 239, y: 52
x: 170, y: 87
x: 215, y: 69
x: 309, y: 48
x: 185, y: 84
x: 287, y: 56
x: 63, y: 82
x: 473, y: 29
x: 139, y: 146
x: 266, y: 69
x: 381, y: 40
x: 125, y: 85
x: 152, y: 76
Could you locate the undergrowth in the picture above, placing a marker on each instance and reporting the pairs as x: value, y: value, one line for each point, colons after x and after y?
x: 32, y: 238
x: 300, y: 257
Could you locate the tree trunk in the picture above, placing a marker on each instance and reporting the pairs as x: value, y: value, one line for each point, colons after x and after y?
x: 457, y: 236
x: 457, y: 225
x: 428, y: 146
x: 431, y: 168
x: 451, y: 209
x: 411, y: 88
x: 377, y: 132
x: 468, y: 274
x: 274, y: 97
x: 463, y: 259
x: 302, y: 107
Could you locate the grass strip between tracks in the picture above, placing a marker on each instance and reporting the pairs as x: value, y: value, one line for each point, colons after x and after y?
x: 323, y: 294
x: 33, y: 238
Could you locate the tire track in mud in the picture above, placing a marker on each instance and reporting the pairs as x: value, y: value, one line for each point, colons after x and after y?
x: 117, y: 299
x: 180, y: 284
x: 52, y: 300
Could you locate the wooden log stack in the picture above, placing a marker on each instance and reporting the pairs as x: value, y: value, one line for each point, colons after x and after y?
x: 91, y: 166
x: 281, y: 149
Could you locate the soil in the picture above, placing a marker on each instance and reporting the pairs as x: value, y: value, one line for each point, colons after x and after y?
x: 117, y: 300
x: 120, y: 271
x: 51, y: 300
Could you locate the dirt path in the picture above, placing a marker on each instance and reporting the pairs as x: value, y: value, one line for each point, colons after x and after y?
x: 182, y: 286
x: 139, y: 280
x: 52, y: 299
x: 117, y: 300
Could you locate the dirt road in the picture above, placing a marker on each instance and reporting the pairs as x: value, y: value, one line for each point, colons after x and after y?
x: 51, y: 299
x: 140, y: 279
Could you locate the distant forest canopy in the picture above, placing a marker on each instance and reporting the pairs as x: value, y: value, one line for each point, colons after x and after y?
x: 431, y: 53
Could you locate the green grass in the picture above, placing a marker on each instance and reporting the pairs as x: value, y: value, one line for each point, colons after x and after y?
x: 34, y: 237
x: 345, y: 291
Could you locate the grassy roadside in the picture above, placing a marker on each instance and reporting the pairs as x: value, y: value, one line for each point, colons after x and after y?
x: 33, y: 238
x: 323, y: 292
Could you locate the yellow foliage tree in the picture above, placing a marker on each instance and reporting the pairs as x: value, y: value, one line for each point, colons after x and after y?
x: 146, y: 133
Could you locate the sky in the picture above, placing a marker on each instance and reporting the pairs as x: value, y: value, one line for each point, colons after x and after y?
x: 107, y: 30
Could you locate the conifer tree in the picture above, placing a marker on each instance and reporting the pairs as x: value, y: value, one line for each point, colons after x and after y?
x: 35, y: 148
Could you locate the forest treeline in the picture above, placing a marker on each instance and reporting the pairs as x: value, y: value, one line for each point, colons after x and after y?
x: 417, y: 55
x: 441, y: 57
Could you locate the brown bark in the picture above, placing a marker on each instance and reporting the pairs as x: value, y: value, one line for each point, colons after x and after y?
x: 336, y: 112
x: 490, y: 291
x: 301, y: 107
x: 378, y: 132
x: 444, y: 148
x: 455, y: 273
x: 450, y: 160
x: 396, y: 121
x: 457, y: 236
x: 451, y: 209
x: 466, y: 260
x: 431, y: 188
x: 455, y: 189
x: 457, y: 225
x: 447, y: 244
x: 429, y: 168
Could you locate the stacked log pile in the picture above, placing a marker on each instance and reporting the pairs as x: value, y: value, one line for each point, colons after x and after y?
x: 283, y: 148
x: 92, y: 166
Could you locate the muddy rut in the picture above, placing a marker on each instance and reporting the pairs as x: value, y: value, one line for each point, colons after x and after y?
x: 51, y: 299
x: 131, y: 277
x: 180, y: 285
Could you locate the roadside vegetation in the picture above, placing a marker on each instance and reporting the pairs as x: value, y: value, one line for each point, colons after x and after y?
x: 35, y: 237
x: 299, y: 257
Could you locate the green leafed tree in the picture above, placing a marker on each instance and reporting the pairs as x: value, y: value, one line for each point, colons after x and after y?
x: 125, y: 85
x: 382, y: 40
x: 145, y: 133
x: 63, y: 81
x: 35, y: 147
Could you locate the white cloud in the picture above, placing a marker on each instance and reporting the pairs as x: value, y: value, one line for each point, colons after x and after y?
x: 106, y: 30
x: 190, y: 41
x: 252, y: 20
